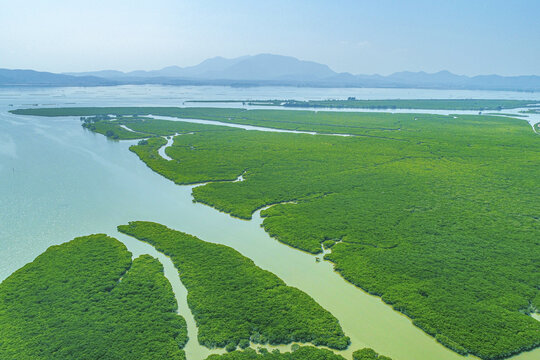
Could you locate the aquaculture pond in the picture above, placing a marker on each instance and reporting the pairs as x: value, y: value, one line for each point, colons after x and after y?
x: 59, y: 181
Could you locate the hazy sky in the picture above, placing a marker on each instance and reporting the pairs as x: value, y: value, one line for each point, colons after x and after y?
x: 466, y: 37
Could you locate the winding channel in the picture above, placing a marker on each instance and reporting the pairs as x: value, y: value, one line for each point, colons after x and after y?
x: 161, y: 150
x: 241, y: 126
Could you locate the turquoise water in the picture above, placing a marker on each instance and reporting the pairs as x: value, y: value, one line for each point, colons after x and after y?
x: 59, y: 181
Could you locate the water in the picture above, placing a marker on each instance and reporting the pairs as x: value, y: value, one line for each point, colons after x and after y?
x: 59, y: 181
x: 161, y: 150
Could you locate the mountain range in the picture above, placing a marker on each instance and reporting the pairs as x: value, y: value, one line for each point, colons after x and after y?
x: 272, y: 70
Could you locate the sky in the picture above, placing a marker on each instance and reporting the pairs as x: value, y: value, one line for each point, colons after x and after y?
x: 469, y: 37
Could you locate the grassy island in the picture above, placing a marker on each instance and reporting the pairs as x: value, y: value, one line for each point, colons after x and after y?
x: 86, y: 299
x: 233, y: 301
x: 436, y: 214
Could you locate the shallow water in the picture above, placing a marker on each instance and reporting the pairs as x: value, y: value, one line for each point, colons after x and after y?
x: 161, y: 150
x: 59, y: 181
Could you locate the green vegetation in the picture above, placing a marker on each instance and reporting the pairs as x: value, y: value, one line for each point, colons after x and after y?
x: 85, y: 299
x: 428, y: 104
x: 424, y: 217
x: 302, y: 353
x: 438, y: 215
x: 361, y: 124
x: 378, y: 125
x: 368, y: 354
x: 356, y: 123
x: 141, y: 127
x: 531, y: 111
x: 135, y: 112
x: 111, y: 128
x: 327, y: 244
x: 233, y: 300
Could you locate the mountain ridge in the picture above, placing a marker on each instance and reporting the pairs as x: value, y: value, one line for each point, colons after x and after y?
x: 270, y: 70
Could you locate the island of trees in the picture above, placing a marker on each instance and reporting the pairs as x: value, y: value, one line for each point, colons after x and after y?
x: 86, y: 299
x: 233, y: 301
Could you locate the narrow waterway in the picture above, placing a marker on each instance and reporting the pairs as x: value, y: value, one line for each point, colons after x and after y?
x: 128, y: 129
x: 161, y: 150
x: 233, y: 125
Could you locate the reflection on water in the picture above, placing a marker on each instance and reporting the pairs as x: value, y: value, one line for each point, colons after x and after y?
x: 59, y: 181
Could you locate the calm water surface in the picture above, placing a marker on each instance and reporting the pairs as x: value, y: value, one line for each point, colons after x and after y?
x: 59, y: 181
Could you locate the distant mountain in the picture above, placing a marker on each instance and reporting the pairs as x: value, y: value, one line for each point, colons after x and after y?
x: 108, y: 74
x: 268, y: 69
x: 525, y: 83
x: 245, y: 68
x: 423, y: 78
x: 271, y: 67
x: 37, y: 78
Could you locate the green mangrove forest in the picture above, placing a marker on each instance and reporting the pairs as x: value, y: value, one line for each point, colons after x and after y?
x: 437, y: 215
x: 233, y: 301
x: 86, y: 299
